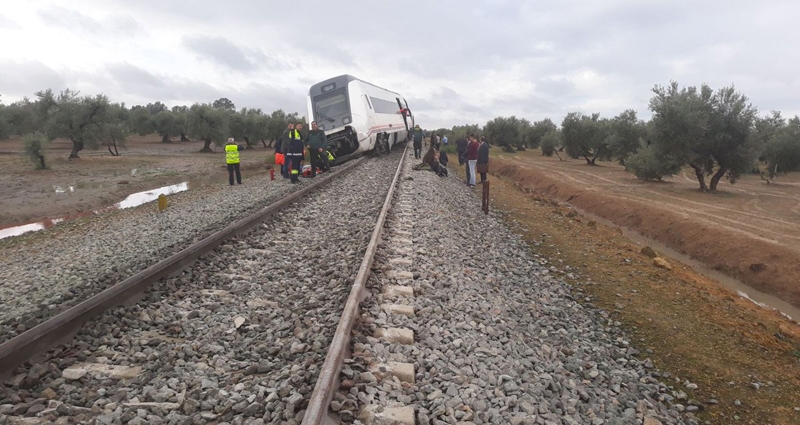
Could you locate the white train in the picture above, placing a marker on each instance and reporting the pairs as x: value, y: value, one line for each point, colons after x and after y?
x: 358, y: 117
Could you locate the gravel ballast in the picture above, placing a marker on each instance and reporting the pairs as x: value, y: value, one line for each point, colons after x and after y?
x: 236, y: 338
x: 42, y: 276
x: 498, y: 337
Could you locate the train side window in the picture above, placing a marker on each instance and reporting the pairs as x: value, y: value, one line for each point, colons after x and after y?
x: 383, y: 106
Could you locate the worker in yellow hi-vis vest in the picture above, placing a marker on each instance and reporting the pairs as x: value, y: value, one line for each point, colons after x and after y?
x: 232, y: 159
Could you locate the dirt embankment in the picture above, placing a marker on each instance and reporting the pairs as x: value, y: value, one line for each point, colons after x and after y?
x: 768, y: 267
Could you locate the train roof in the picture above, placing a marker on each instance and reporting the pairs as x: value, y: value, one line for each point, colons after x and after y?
x: 345, y: 78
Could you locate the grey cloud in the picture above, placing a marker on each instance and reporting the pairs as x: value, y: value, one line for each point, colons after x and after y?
x: 20, y: 79
x: 223, y: 52
x: 132, y: 75
x: 75, y: 21
x: 134, y: 82
x: 8, y: 23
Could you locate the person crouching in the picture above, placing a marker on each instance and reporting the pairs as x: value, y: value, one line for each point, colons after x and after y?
x: 232, y: 159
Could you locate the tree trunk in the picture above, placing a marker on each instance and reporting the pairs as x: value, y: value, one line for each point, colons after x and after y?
x: 207, y: 146
x: 41, y: 160
x: 559, y: 156
x: 717, y: 177
x: 165, y: 139
x: 701, y: 178
x: 77, y: 146
x: 184, y: 138
x: 115, y: 152
x: 247, y: 142
x: 589, y: 161
x: 264, y: 142
x: 271, y: 142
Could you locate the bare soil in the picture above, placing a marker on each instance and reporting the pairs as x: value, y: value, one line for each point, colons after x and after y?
x: 749, y: 230
x: 76, y: 187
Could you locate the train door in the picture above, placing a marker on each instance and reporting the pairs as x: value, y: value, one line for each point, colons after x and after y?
x: 403, y: 112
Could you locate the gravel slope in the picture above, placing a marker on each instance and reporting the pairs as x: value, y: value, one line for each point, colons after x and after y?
x: 42, y: 277
x: 498, y: 338
x: 238, y: 337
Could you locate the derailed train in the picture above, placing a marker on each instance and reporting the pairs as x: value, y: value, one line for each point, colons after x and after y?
x: 358, y: 117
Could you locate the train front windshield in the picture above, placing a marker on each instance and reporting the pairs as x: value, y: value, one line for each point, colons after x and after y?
x: 330, y: 106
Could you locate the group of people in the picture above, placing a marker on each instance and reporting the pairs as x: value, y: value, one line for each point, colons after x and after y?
x: 471, y: 153
x: 289, y: 153
x: 474, y: 156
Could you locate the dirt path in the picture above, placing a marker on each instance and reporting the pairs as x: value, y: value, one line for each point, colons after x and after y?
x: 750, y: 230
x: 71, y: 188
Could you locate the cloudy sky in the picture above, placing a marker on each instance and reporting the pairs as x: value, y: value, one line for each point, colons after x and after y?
x: 455, y: 61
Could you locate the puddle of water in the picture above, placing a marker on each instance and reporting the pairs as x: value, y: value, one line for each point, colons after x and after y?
x: 743, y: 290
x: 139, y: 198
x: 30, y: 227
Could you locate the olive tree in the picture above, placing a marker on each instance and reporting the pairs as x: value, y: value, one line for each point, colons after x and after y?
x: 140, y: 121
x: 208, y: 124
x: 166, y: 125
x: 782, y: 149
x: 82, y: 120
x: 625, y: 135
x: 585, y: 136
x: 180, y: 112
x: 551, y: 142
x: 504, y: 132
x: 533, y: 138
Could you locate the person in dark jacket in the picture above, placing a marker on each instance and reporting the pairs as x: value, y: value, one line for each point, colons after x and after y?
x: 461, y: 149
x: 294, y: 154
x: 483, y: 159
x: 417, y: 135
x: 316, y: 142
x: 281, y: 146
x: 443, y: 158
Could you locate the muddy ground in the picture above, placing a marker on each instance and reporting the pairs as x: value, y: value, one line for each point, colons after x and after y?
x: 97, y: 179
x: 749, y: 230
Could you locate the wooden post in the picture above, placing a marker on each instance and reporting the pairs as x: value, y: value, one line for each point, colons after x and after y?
x: 485, y: 199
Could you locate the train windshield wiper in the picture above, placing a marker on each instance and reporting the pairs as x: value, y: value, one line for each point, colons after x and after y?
x: 325, y: 116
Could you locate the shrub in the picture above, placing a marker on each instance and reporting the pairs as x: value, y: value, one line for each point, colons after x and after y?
x: 649, y: 164
x: 550, y: 142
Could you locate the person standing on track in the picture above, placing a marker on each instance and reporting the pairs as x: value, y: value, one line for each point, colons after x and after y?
x: 417, y: 137
x: 472, y: 159
x: 294, y: 154
x: 232, y: 160
x: 316, y: 141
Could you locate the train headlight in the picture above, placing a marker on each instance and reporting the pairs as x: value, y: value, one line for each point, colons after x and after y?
x: 347, y: 120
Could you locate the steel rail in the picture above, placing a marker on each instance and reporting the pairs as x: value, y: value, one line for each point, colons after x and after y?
x: 63, y: 326
x: 317, y: 410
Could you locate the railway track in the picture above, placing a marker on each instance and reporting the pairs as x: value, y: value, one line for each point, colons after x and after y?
x: 237, y: 330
